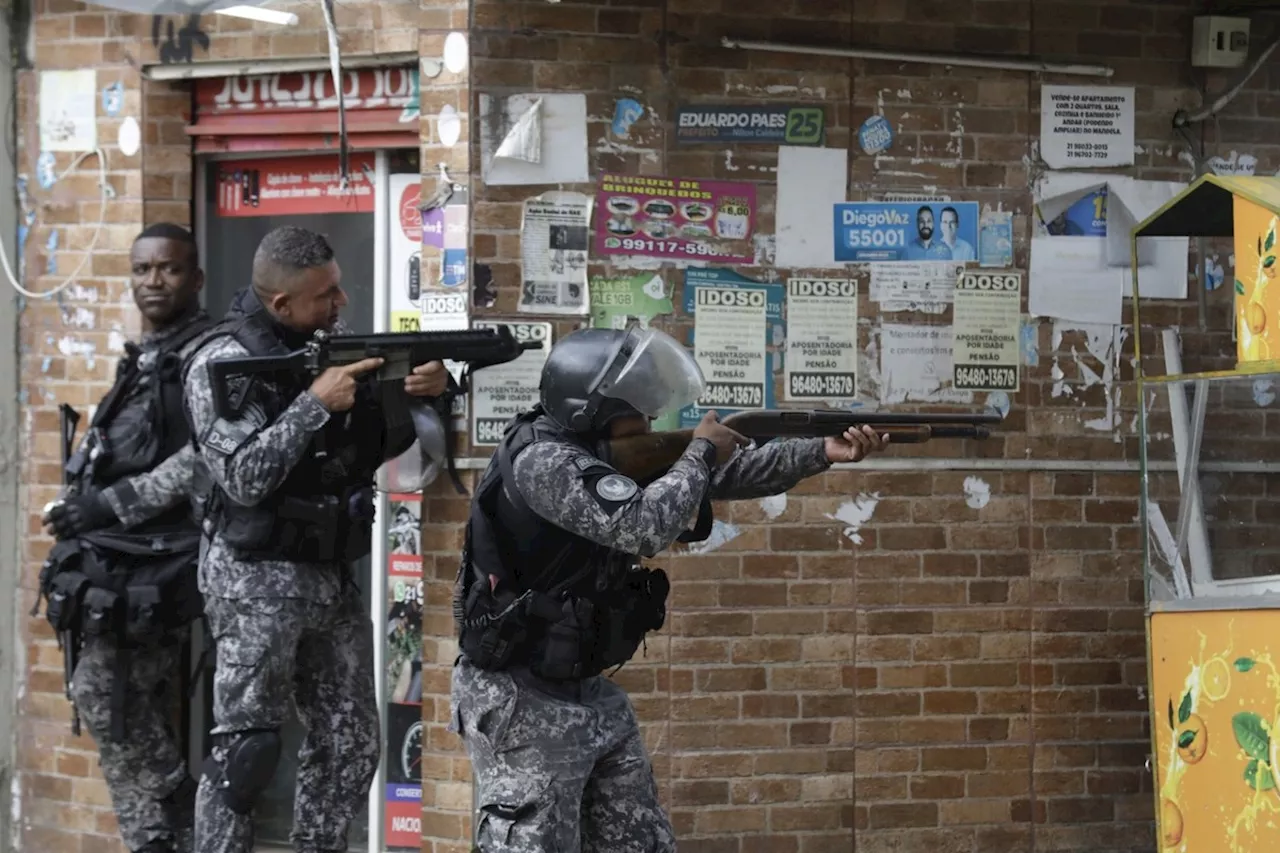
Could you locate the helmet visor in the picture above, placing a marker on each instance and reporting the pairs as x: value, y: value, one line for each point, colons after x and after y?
x: 660, y: 377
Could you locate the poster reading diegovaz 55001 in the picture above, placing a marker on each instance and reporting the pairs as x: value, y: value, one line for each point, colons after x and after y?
x: 870, y: 231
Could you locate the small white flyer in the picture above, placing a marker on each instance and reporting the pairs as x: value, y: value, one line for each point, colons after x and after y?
x: 915, y: 365
x: 730, y: 333
x: 986, y: 330
x: 1086, y: 126
x: 68, y: 110
x: 927, y: 286
x: 501, y: 392
x: 822, y: 339
x: 555, y: 237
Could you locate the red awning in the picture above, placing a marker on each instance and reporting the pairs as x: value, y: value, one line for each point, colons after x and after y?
x: 297, y: 111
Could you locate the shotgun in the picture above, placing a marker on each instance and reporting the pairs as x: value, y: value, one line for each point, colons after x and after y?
x: 644, y: 457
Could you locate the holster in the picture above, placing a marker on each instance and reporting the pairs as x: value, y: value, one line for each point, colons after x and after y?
x: 323, y: 529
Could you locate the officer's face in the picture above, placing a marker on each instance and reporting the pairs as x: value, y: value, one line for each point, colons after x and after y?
x: 313, y: 301
x: 165, y: 279
x: 629, y: 425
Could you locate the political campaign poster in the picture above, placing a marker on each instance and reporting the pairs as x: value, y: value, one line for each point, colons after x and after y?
x: 777, y: 124
x: 867, y: 231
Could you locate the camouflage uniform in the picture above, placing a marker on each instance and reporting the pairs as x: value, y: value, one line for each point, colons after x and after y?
x: 562, y: 766
x: 287, y: 634
x: 145, y: 771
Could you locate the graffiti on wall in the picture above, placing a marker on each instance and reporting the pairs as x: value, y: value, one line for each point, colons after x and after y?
x: 177, y: 45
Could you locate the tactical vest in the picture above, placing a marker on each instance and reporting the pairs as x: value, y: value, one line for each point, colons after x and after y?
x: 324, y: 509
x: 129, y: 585
x: 576, y: 607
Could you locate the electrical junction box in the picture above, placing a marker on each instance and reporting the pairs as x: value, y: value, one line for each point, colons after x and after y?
x: 1219, y: 42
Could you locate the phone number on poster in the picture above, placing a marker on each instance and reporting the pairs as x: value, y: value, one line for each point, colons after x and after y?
x: 822, y: 385
x: 666, y: 247
x: 489, y: 430
x: 978, y: 378
x: 739, y: 395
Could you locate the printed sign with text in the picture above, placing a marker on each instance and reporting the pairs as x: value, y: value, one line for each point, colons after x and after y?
x: 986, y: 331
x: 501, y: 392
x: 289, y: 186
x: 822, y: 354
x: 779, y: 125
x: 882, y: 231
x: 1086, y: 126
x: 675, y: 218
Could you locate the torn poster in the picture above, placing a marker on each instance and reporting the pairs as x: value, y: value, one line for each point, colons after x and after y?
x: 554, y: 242
x: 615, y: 300
x: 1086, y: 126
x: 675, y: 218
x: 533, y: 139
x: 502, y: 391
x: 822, y: 355
x: 811, y: 181
x: 916, y: 365
x: 68, y: 110
x: 927, y: 286
x: 729, y: 306
x: 986, y: 329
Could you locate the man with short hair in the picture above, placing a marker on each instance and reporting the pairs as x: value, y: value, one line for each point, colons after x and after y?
x: 125, y: 561
x: 289, y: 509
x: 960, y: 249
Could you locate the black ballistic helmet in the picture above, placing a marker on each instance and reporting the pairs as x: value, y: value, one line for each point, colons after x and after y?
x: 595, y: 376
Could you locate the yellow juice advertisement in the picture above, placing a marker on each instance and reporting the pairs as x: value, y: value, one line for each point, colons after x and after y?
x: 1257, y: 297
x: 1216, y: 691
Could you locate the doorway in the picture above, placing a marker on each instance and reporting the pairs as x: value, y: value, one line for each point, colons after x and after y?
x: 239, y: 201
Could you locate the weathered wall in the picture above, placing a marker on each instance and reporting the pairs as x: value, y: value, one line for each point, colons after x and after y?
x: 936, y: 677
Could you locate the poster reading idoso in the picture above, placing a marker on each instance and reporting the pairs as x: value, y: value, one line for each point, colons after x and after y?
x: 869, y: 231
x: 501, y: 392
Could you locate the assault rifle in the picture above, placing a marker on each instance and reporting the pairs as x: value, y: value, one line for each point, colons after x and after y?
x: 68, y: 420
x: 644, y: 457
x: 476, y: 349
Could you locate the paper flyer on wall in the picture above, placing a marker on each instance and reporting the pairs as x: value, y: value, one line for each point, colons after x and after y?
x: 927, y: 286
x: 616, y: 299
x: 501, y: 392
x: 674, y: 218
x: 995, y: 239
x: 729, y: 307
x: 916, y: 365
x: 822, y: 340
x: 986, y: 330
x: 554, y: 242
x: 1086, y: 126
x: 867, y: 231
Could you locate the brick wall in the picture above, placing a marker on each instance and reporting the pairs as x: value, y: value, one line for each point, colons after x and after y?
x: 958, y: 679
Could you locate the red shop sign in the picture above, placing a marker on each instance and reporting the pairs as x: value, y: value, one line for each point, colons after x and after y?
x: 287, y: 186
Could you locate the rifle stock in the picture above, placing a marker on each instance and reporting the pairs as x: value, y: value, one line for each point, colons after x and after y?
x: 645, y: 457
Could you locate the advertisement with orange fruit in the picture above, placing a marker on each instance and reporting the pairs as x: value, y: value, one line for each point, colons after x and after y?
x: 1257, y: 295
x: 1216, y: 692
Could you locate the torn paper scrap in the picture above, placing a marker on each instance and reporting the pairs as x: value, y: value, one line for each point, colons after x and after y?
x: 508, y: 156
x: 524, y: 140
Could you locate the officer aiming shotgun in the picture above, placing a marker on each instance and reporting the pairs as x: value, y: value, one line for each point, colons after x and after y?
x: 643, y: 457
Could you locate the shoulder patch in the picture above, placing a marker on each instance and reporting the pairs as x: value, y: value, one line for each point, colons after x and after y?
x: 586, y: 463
x: 616, y: 488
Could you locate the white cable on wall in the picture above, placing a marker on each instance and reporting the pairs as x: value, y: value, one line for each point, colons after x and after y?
x: 105, y: 195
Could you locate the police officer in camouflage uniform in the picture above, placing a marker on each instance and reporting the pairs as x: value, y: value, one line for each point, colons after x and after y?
x: 290, y: 507
x: 125, y: 532
x: 551, y: 591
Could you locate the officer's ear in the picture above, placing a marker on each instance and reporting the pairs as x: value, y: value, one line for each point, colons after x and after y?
x: 280, y: 304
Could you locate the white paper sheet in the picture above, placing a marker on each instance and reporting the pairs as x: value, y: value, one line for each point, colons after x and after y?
x: 554, y: 240
x: 811, y: 182
x: 916, y: 364
x: 68, y: 110
x: 561, y: 147
x: 1069, y: 280
x: 1086, y: 126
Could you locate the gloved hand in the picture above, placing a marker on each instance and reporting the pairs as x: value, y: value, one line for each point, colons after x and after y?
x: 78, y: 515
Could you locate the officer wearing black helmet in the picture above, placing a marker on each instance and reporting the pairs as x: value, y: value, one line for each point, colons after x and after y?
x: 551, y: 593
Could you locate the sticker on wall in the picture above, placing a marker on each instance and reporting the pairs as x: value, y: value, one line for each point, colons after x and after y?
x: 995, y: 238
x: 45, y: 175
x: 112, y: 99
x: 51, y: 246
x: 875, y: 135
x: 455, y: 268
x: 625, y: 114
x: 448, y: 126
x: 455, y: 53
x: 130, y: 137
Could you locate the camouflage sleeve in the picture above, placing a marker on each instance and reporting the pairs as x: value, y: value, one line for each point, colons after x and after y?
x: 770, y: 469
x: 136, y: 499
x: 578, y: 493
x: 247, y: 456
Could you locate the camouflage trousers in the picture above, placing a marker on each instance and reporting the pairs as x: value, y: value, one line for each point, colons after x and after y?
x: 276, y: 654
x: 144, y: 769
x: 557, y: 773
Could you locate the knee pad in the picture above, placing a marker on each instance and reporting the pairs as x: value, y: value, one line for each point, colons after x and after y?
x: 248, y: 761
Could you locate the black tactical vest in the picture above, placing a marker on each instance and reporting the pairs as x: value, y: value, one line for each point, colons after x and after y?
x: 323, y: 511
x: 565, y: 607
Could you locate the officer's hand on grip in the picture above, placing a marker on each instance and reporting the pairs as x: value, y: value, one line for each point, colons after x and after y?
x: 74, y: 516
x: 725, y: 439
x: 336, y: 387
